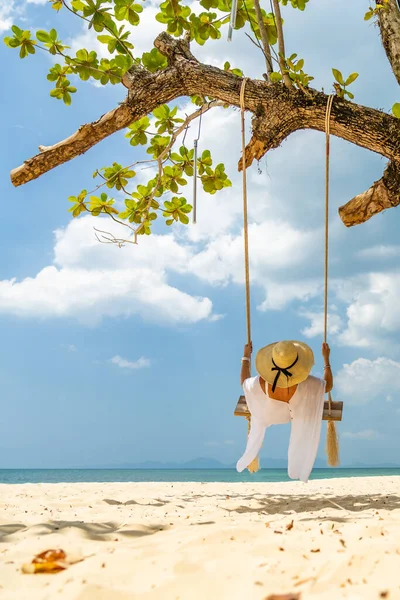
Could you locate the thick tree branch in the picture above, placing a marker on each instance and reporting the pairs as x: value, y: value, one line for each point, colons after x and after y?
x: 278, y: 112
x: 286, y: 112
x: 389, y: 25
x: 383, y: 194
x: 87, y: 136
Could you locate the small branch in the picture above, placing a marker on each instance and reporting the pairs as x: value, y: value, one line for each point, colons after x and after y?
x: 109, y: 238
x: 383, y: 194
x: 281, y: 44
x: 264, y: 37
x: 160, y: 161
x: 105, y: 27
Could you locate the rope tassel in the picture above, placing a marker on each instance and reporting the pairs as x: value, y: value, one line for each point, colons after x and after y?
x: 332, y: 441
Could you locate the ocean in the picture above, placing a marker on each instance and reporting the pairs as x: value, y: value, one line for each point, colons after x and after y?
x: 13, y: 476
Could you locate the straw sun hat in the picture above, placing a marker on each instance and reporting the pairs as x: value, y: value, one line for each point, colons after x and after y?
x: 283, y: 364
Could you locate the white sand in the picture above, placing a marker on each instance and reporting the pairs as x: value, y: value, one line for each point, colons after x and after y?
x: 192, y: 541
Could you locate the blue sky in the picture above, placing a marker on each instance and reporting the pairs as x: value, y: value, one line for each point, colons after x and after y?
x: 113, y: 356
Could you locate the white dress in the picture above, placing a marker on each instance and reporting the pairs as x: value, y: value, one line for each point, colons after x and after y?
x: 304, y: 410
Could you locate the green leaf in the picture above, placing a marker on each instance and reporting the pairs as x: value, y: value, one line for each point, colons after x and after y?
x: 77, y: 5
x: 338, y: 76
x: 351, y: 78
x: 368, y: 15
x: 154, y: 60
x: 275, y: 77
x: 56, y: 4
x: 43, y: 36
x: 396, y: 110
x: 127, y: 10
x: 137, y: 130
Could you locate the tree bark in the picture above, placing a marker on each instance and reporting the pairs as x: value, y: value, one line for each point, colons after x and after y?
x: 389, y: 25
x: 278, y: 112
x: 383, y: 194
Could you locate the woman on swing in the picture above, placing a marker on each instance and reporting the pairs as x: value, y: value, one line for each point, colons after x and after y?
x: 283, y: 392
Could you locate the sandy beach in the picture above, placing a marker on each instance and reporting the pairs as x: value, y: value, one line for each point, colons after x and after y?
x: 327, y: 539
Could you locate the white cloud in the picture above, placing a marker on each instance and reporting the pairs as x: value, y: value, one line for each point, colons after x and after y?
x: 272, y: 264
x: 8, y: 10
x: 90, y: 281
x: 316, y: 326
x: 280, y: 294
x: 373, y: 316
x: 72, y: 348
x: 365, y: 381
x: 123, y: 363
x: 366, y: 434
x: 381, y: 251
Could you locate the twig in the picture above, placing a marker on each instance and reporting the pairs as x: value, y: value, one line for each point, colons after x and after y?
x: 120, y: 242
x: 264, y: 37
x: 281, y: 44
x: 76, y: 64
x: 105, y: 27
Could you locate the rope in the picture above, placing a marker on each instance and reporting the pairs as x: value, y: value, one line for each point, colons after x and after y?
x: 232, y: 19
x: 245, y: 219
x: 195, y: 142
x: 332, y: 440
x: 254, y: 466
x: 327, y: 146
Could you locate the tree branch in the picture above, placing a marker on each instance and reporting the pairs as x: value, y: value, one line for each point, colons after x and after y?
x: 87, y: 136
x: 383, y: 194
x: 278, y: 113
x: 281, y: 44
x: 264, y: 37
x: 286, y: 112
x: 389, y: 25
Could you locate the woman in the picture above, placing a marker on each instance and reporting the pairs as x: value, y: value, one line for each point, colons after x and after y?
x: 284, y: 391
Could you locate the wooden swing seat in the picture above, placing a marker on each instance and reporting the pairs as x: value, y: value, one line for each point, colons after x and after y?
x: 335, y: 414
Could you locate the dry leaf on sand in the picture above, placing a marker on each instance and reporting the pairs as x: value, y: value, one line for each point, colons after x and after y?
x: 50, y: 561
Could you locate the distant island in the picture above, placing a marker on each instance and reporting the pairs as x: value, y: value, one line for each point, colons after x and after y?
x: 212, y: 463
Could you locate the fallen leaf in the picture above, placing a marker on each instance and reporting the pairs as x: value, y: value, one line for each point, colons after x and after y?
x: 315, y: 550
x: 289, y: 526
x: 343, y: 543
x: 282, y: 549
x: 50, y: 561
x: 276, y: 531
